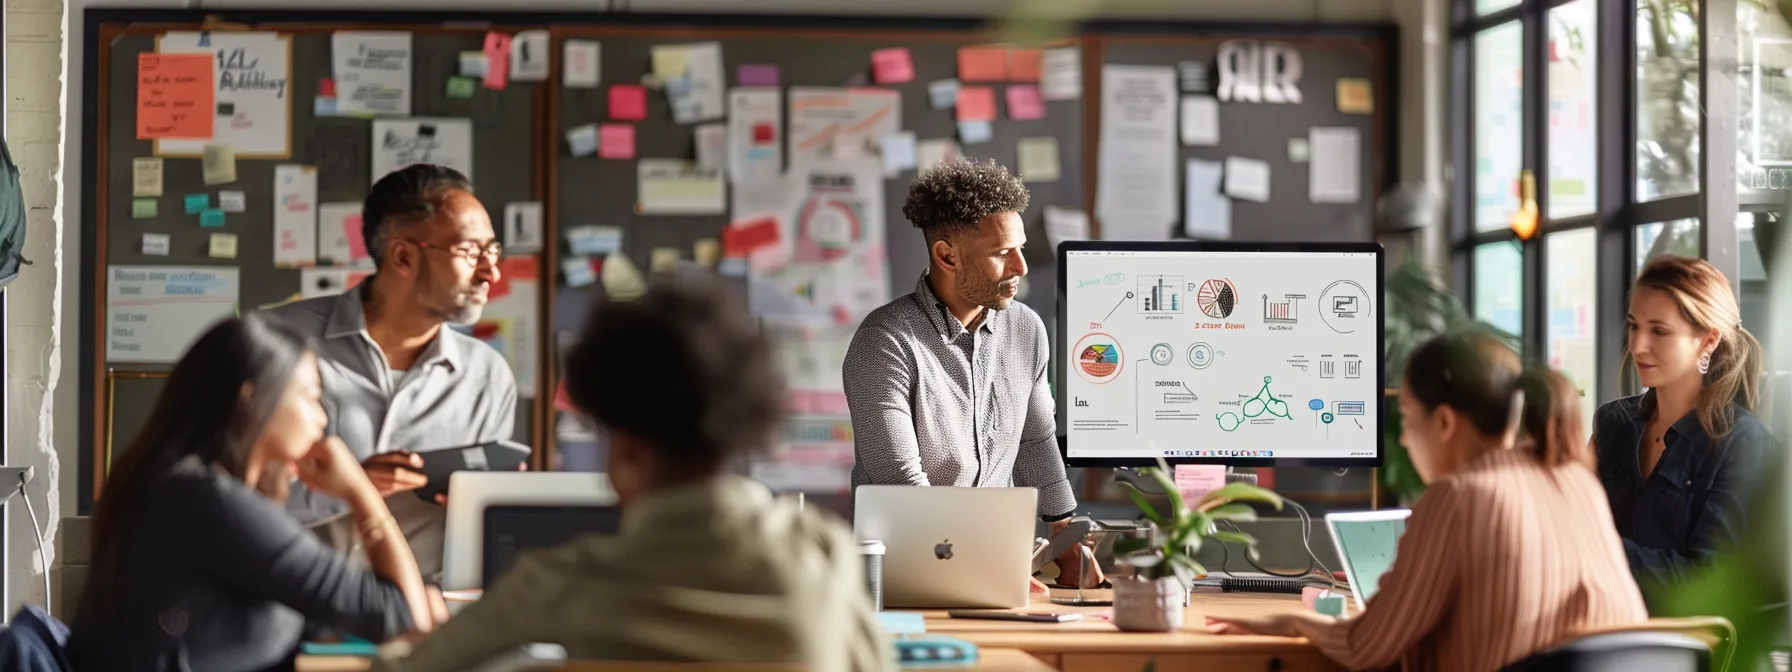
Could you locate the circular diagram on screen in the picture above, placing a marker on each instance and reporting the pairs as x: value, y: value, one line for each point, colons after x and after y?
x: 1200, y: 355
x: 1161, y: 354
x: 1098, y: 358
x: 1216, y: 298
x: 1345, y: 307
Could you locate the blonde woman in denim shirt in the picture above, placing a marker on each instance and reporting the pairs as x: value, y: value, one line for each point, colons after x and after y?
x: 1680, y: 460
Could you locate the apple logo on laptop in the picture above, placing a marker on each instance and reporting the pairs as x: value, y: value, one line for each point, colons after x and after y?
x: 943, y: 550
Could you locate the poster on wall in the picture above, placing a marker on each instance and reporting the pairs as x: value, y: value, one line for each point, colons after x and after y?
x: 401, y: 142
x: 154, y: 312
x: 828, y: 124
x: 372, y: 72
x: 252, y: 98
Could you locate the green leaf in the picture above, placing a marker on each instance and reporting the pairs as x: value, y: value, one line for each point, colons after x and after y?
x: 1237, y: 513
x: 1168, y: 486
x: 1240, y: 492
x: 1130, y: 545
x: 1144, y: 504
x: 1234, y: 538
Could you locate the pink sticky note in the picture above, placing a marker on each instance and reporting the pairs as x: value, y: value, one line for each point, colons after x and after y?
x: 628, y: 102
x: 757, y: 74
x: 497, y: 60
x: 976, y: 103
x: 1024, y: 103
x: 892, y: 66
x: 351, y: 229
x: 616, y: 141
x: 1194, y: 481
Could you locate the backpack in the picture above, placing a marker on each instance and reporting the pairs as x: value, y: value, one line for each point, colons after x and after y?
x: 12, y: 219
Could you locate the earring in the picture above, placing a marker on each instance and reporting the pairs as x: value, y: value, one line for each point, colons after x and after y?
x: 1704, y: 363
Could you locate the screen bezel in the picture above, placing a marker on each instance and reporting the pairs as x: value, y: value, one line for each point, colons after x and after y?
x: 1058, y: 360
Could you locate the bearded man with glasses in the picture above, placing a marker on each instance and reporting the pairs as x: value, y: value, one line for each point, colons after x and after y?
x: 398, y: 379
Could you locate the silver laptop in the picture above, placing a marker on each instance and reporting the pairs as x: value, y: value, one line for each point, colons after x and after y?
x: 1366, y: 543
x: 950, y: 548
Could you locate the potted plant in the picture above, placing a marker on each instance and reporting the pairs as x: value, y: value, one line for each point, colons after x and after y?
x: 1155, y: 597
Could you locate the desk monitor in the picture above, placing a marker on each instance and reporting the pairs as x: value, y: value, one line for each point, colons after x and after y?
x: 1366, y: 543
x: 950, y: 548
x: 514, y: 528
x: 1242, y: 354
x: 464, y: 532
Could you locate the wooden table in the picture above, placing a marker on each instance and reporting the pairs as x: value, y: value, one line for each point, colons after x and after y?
x: 1095, y: 644
x: 989, y: 659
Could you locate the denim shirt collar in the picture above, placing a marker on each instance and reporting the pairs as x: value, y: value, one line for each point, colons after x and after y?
x: 1686, y: 441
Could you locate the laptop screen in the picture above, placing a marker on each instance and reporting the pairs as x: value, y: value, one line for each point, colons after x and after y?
x: 1368, y: 548
x: 514, y: 528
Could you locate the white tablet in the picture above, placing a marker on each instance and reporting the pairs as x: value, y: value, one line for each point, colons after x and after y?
x: 1366, y: 542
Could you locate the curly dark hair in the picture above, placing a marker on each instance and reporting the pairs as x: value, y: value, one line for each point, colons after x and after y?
x: 950, y: 198
x: 684, y: 368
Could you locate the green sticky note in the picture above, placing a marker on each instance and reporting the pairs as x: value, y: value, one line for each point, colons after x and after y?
x: 460, y: 87
x: 1330, y: 605
x: 143, y: 208
x: 212, y: 218
x: 197, y: 203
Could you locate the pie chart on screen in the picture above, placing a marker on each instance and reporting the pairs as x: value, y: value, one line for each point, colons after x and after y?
x: 1216, y: 298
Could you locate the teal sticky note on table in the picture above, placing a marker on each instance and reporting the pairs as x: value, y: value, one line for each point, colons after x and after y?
x: 1330, y: 605
x: 211, y: 218
x: 198, y: 203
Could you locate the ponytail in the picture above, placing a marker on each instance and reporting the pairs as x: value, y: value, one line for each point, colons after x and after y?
x: 1734, y: 378
x: 1551, y: 418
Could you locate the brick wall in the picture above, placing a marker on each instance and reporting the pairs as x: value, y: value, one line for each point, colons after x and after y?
x: 34, y: 116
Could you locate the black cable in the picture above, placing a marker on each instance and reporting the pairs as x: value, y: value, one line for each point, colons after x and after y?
x: 1306, y: 534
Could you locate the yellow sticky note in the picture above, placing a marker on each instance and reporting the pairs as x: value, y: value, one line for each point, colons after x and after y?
x: 218, y: 164
x: 1355, y: 96
x: 663, y: 260
x: 621, y: 279
x: 705, y: 251
x: 668, y: 63
x: 223, y: 246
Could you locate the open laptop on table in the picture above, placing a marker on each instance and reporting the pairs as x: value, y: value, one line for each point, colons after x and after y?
x: 511, y: 529
x: 948, y: 548
x: 1366, y: 542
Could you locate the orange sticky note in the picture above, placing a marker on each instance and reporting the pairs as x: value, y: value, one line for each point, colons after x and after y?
x: 1024, y: 103
x: 616, y: 141
x: 174, y: 96
x: 628, y: 102
x: 976, y: 103
x: 892, y: 66
x: 1024, y: 65
x: 983, y: 64
x: 497, y: 60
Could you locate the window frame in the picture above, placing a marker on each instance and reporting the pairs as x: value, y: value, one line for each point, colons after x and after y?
x: 1617, y: 213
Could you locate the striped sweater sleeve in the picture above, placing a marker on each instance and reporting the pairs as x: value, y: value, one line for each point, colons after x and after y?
x: 1415, y: 592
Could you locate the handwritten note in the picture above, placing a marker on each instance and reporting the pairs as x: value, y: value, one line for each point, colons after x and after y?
x: 373, y: 72
x: 174, y: 96
x: 232, y: 201
x: 249, y: 105
x: 580, y: 60
x: 156, y: 244
x: 146, y: 176
x: 154, y: 312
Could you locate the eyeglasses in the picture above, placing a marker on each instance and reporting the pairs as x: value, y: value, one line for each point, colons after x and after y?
x: 472, y: 253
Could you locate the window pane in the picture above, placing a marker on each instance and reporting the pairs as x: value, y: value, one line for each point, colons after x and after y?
x: 1764, y: 130
x: 1499, y: 123
x: 1572, y: 330
x: 1667, y: 110
x: 1682, y: 239
x: 1491, y: 6
x: 1573, y: 141
x: 1758, y: 234
x: 1499, y: 285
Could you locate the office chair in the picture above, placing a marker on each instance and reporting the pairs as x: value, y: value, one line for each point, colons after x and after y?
x: 1622, y: 652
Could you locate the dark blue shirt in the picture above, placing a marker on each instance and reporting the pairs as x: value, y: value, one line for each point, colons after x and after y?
x: 1692, y: 506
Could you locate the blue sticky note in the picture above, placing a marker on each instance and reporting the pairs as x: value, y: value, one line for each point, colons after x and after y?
x: 582, y: 140
x: 323, y: 106
x: 678, y: 87
x: 197, y: 203
x: 973, y: 132
x: 943, y: 93
x: 211, y: 218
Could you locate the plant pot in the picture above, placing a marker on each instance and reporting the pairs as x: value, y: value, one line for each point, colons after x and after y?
x: 1149, y: 605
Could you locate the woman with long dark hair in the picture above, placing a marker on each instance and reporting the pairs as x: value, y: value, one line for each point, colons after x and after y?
x: 195, y: 563
x: 1679, y: 461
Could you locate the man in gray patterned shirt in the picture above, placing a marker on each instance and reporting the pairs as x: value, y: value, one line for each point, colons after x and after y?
x: 947, y: 385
